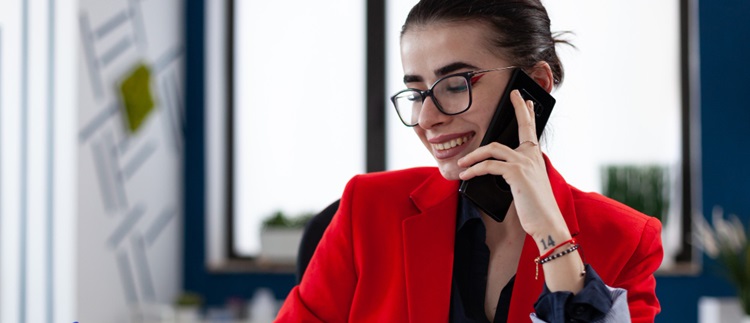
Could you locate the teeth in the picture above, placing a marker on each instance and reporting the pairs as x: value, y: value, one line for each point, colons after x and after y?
x: 451, y: 144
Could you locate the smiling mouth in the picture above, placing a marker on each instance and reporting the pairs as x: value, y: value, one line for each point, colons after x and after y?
x: 452, y: 143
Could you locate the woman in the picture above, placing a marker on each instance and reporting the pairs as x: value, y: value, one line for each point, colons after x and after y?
x: 405, y: 247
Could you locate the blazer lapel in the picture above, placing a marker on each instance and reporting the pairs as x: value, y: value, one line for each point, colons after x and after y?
x: 428, y: 249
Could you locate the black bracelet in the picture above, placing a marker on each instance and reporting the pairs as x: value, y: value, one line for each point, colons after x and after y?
x: 558, y: 255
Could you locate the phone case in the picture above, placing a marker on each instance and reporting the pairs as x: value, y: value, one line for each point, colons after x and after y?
x: 489, y: 192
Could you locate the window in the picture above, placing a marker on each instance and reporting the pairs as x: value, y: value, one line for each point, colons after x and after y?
x: 298, y: 109
x: 627, y: 98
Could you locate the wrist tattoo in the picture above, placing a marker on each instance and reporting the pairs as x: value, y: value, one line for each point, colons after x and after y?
x: 548, y: 243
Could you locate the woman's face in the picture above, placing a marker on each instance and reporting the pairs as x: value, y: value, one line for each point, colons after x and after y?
x: 431, y: 51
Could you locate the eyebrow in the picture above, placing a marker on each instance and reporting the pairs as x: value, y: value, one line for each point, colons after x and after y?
x: 445, y: 70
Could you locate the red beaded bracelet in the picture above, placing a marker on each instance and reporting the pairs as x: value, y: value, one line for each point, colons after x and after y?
x: 547, y: 256
x: 549, y: 252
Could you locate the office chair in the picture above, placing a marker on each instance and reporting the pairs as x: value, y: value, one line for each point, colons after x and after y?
x: 314, y: 230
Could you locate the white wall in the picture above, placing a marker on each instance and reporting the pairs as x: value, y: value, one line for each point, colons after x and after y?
x: 130, y: 185
x: 89, y: 215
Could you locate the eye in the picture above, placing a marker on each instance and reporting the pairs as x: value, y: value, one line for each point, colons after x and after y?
x: 456, y: 85
x: 458, y: 88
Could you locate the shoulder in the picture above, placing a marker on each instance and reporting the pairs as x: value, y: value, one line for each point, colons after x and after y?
x: 375, y: 204
x: 378, y: 191
x: 615, y: 236
x: 599, y: 210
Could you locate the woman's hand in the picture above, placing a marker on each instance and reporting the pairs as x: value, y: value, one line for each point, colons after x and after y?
x: 525, y: 171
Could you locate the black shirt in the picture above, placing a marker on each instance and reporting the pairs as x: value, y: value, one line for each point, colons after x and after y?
x: 470, y: 262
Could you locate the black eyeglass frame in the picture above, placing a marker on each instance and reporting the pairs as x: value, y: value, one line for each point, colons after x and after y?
x: 425, y: 93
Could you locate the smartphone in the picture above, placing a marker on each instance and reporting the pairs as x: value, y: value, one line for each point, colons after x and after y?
x: 490, y: 192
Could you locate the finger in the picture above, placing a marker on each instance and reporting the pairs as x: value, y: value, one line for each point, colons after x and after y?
x: 493, y: 150
x: 494, y: 167
x: 525, y: 116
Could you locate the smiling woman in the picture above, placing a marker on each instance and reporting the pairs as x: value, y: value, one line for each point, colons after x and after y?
x: 406, y: 246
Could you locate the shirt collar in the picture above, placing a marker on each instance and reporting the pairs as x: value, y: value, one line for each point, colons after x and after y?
x: 466, y: 211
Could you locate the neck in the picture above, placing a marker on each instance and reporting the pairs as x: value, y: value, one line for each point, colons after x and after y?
x: 508, y: 230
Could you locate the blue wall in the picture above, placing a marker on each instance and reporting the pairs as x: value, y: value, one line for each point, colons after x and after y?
x: 725, y: 123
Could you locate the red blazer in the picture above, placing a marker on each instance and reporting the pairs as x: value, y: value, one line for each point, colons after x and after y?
x: 387, y: 256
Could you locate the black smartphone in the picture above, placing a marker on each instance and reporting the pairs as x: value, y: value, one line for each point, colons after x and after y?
x: 490, y: 192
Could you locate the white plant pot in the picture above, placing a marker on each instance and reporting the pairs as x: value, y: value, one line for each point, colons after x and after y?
x: 280, y: 245
x: 187, y: 314
x: 720, y: 310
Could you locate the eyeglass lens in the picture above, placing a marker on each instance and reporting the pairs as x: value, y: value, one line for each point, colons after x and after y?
x: 451, y: 96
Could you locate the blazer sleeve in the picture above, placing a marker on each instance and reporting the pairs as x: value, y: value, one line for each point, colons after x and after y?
x: 326, y: 291
x: 637, y: 277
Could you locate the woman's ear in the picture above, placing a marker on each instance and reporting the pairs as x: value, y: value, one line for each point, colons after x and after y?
x: 542, y: 74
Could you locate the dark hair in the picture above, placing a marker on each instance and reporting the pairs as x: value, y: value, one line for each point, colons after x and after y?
x: 521, y: 28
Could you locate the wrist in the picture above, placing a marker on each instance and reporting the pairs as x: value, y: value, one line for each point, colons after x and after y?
x: 551, y: 239
x: 550, y: 223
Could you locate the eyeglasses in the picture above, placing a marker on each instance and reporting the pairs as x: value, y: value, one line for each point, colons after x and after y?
x: 451, y: 95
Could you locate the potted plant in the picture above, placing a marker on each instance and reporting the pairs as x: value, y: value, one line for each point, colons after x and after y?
x: 280, y: 237
x: 725, y: 240
x: 642, y: 187
x: 187, y: 307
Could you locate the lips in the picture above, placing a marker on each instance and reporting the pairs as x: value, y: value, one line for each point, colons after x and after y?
x: 448, y: 146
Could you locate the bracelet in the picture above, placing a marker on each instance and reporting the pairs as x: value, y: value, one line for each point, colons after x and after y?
x: 549, y: 258
x: 549, y: 252
x: 557, y: 255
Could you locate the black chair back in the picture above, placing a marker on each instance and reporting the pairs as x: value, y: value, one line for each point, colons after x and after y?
x: 314, y: 230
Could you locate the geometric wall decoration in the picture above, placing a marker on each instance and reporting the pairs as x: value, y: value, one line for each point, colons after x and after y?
x: 131, y: 129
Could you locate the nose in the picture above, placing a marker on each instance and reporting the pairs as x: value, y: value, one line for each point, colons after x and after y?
x: 430, y: 116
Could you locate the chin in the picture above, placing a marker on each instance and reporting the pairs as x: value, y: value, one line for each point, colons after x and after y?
x: 450, y: 172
